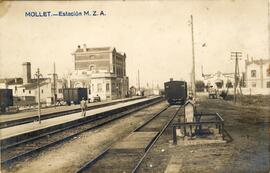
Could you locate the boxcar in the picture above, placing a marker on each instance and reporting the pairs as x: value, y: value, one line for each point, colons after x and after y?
x: 74, y: 95
x: 176, y: 92
x: 6, y: 99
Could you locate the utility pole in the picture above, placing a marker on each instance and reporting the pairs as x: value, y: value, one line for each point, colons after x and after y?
x: 152, y: 87
x: 236, y: 56
x: 269, y: 29
x: 193, y: 59
x: 139, y: 80
x: 38, y: 75
x: 54, y: 84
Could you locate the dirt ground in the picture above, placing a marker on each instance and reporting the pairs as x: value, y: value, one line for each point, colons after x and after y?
x: 71, y: 155
x: 248, y: 123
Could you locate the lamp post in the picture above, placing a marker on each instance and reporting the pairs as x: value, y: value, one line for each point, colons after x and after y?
x: 38, y: 75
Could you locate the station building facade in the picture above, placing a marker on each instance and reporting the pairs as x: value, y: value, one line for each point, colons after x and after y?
x: 257, y: 73
x: 219, y: 80
x: 102, y: 70
x: 257, y: 76
x: 254, y: 80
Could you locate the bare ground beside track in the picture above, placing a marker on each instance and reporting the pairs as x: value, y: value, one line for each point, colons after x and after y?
x: 69, y: 156
x: 248, y: 152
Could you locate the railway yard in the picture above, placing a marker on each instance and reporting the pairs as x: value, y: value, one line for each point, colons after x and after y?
x: 128, y: 89
x: 136, y: 136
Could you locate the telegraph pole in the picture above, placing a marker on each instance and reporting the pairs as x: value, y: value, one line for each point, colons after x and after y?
x: 54, y: 84
x: 139, y: 80
x: 269, y: 29
x: 193, y: 59
x: 236, y: 56
x: 38, y: 75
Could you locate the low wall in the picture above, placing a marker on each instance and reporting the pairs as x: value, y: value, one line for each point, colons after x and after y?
x: 256, y: 91
x: 245, y: 91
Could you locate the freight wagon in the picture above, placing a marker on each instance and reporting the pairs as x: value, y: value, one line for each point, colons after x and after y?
x: 6, y: 99
x: 74, y: 95
x: 176, y: 92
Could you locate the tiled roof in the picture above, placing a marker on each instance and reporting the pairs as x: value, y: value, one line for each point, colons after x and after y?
x: 258, y: 62
x: 12, y: 81
x: 33, y: 85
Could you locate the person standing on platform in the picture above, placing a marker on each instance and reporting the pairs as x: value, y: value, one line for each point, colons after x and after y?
x: 83, y: 107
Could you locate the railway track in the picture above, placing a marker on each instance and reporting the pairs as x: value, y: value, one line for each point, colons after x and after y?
x: 120, y: 157
x: 18, y: 151
x: 45, y: 116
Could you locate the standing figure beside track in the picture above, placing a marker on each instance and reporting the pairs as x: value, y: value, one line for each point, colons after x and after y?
x: 83, y: 107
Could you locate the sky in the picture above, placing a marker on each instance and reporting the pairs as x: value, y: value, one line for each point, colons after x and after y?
x: 155, y: 35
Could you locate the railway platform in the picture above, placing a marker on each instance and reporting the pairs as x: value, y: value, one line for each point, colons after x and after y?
x: 22, y: 131
x: 51, y: 110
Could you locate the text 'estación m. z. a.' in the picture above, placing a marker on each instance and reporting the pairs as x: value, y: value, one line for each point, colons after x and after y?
x: 64, y: 13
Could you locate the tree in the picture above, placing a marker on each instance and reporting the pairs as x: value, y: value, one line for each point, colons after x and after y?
x: 199, y: 86
x: 229, y: 84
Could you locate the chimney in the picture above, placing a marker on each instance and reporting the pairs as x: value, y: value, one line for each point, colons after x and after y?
x: 79, y: 46
x: 26, y: 75
x: 84, y: 47
x: 171, y: 79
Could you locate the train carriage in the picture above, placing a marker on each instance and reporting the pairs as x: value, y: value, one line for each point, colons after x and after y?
x: 74, y: 95
x: 176, y: 92
x: 6, y: 99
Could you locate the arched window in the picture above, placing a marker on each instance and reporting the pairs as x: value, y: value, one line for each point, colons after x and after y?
x: 91, y: 67
x: 78, y: 85
x: 253, y: 73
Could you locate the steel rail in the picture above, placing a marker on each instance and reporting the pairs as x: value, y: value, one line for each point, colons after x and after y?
x: 155, y: 140
x: 9, y: 141
x: 148, y: 121
x: 10, y: 123
x: 31, y: 152
x: 93, y: 161
x: 104, y: 152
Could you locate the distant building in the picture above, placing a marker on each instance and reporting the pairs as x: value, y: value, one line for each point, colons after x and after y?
x: 257, y: 73
x: 25, y: 89
x: 133, y: 91
x: 102, y: 70
x: 219, y: 80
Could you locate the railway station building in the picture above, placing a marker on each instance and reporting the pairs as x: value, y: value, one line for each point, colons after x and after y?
x: 257, y: 76
x: 218, y: 80
x: 101, y: 70
x: 254, y: 80
x: 257, y: 73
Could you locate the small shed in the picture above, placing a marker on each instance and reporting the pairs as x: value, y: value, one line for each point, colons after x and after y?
x: 189, y: 111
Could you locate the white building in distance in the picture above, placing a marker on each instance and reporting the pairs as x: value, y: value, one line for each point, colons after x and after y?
x: 257, y: 73
x: 25, y: 88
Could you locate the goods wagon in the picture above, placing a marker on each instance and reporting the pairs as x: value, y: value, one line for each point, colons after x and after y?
x: 74, y: 95
x: 176, y: 92
x: 6, y: 99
